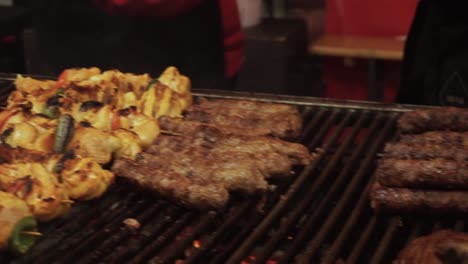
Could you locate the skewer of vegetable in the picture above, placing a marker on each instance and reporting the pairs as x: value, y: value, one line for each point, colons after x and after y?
x: 18, y: 228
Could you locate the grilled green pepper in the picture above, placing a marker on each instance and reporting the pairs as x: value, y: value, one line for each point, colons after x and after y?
x: 64, y: 133
x: 51, y: 108
x: 50, y: 111
x: 20, y: 242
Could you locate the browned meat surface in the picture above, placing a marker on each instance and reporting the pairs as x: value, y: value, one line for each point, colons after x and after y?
x: 247, y: 105
x: 177, y: 125
x: 148, y: 172
x: 443, y: 138
x: 401, y: 150
x: 442, y: 247
x: 274, y: 157
x: 265, y: 119
x: 447, y: 118
x: 437, y: 173
x: 210, y: 158
x: 388, y: 199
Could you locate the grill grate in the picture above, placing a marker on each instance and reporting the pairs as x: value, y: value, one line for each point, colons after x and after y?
x: 321, y: 215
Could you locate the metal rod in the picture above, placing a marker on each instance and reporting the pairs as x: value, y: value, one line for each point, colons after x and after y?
x: 282, y: 205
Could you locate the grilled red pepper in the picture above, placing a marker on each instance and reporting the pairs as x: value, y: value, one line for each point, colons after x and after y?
x: 62, y: 79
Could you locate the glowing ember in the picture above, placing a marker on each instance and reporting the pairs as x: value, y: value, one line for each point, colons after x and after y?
x: 196, y: 244
x: 290, y: 237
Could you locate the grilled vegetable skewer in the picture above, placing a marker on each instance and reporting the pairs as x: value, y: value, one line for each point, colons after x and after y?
x: 167, y: 95
x: 16, y: 224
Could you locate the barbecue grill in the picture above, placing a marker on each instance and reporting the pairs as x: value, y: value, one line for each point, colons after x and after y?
x: 320, y: 215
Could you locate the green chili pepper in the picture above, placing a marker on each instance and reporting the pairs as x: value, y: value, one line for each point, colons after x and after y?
x: 64, y: 133
x: 19, y: 242
x: 152, y: 83
x: 51, y: 108
x: 50, y: 111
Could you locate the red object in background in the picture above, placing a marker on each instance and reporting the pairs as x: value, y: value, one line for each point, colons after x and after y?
x: 384, y: 18
x: 8, y: 39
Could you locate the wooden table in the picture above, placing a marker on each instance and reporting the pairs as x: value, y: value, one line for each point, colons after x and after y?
x: 374, y: 49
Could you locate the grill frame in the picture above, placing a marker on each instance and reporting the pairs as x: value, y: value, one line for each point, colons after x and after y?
x: 333, y: 128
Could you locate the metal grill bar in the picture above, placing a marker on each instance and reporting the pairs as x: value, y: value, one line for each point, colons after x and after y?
x: 332, y: 253
x: 393, y: 225
x: 118, y: 236
x: 52, y: 238
x: 96, y: 236
x: 161, y: 240
x: 216, y: 236
x: 149, y: 231
x: 178, y: 248
x: 306, y: 201
x: 289, y: 219
x: 346, y: 197
x: 275, y: 214
x: 239, y: 238
x: 359, y: 247
x: 303, y: 215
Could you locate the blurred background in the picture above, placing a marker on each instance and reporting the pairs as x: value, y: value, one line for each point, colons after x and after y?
x: 346, y: 49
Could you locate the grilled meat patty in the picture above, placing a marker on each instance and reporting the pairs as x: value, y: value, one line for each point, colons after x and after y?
x: 416, y: 200
x: 273, y: 156
x: 442, y: 247
x: 264, y: 119
x: 150, y: 173
x: 214, y: 161
x: 447, y: 118
x: 435, y: 173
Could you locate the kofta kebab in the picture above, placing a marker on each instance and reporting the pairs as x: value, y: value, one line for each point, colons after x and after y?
x: 56, y: 136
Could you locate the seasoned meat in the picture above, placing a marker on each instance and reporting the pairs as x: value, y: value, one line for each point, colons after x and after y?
x: 442, y: 247
x: 401, y: 150
x: 274, y: 157
x: 443, y: 138
x: 437, y: 173
x: 267, y: 119
x: 149, y: 172
x: 177, y: 125
x: 398, y: 200
x: 209, y: 160
x: 446, y: 118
